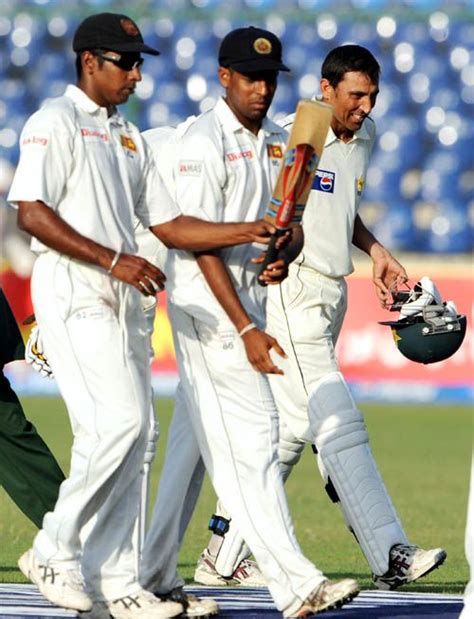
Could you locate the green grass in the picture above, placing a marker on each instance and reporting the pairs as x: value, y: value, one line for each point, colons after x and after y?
x: 423, y: 454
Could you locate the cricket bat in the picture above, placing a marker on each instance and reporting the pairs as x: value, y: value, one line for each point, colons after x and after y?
x: 298, y: 168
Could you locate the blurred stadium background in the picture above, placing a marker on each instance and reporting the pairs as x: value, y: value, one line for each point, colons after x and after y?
x: 419, y: 196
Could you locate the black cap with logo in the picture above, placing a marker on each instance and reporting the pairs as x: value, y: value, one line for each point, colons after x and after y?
x: 251, y: 49
x: 110, y: 31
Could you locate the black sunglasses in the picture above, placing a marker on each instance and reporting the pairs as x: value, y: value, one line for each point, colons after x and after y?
x: 126, y: 63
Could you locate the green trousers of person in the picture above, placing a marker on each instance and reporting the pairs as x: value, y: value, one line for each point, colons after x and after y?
x: 29, y: 472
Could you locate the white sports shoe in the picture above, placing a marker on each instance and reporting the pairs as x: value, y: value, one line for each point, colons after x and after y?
x: 193, y: 606
x: 140, y: 605
x: 329, y: 594
x: 408, y: 563
x: 247, y: 574
x: 63, y: 587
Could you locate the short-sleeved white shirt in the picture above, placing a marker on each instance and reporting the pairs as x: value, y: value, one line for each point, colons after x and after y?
x: 95, y: 171
x: 224, y: 173
x: 328, y: 219
x: 163, y: 144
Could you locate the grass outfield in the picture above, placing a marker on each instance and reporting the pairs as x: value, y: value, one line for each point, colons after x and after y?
x: 424, y: 456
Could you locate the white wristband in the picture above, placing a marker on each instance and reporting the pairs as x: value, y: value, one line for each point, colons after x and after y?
x: 115, y: 259
x: 247, y: 328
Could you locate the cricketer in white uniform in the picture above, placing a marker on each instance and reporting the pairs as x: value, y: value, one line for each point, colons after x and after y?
x: 468, y: 609
x: 84, y: 174
x: 306, y: 312
x: 226, y: 172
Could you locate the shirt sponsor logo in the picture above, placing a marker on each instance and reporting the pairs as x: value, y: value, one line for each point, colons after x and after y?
x: 35, y: 140
x: 239, y: 154
x: 274, y: 151
x: 190, y: 167
x: 128, y: 143
x: 92, y: 134
x: 324, y: 181
x: 360, y: 185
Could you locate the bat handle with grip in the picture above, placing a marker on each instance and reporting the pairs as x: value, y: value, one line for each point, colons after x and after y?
x: 272, y: 252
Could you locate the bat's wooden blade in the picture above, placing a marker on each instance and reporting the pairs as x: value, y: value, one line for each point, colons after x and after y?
x: 304, y: 150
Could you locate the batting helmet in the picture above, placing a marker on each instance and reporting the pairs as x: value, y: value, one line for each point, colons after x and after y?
x: 428, y: 330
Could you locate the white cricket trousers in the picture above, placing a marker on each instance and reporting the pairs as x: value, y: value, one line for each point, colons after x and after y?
x: 173, y: 508
x: 235, y: 423
x: 95, y: 338
x: 305, y: 313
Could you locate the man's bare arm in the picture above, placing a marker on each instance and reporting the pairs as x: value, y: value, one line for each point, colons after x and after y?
x: 257, y: 343
x: 48, y: 227
x: 387, y: 272
x: 193, y: 234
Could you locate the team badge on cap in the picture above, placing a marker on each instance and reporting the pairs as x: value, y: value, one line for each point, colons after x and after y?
x: 262, y: 46
x: 129, y: 27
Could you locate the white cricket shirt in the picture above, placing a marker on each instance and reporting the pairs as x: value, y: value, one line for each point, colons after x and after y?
x: 224, y: 173
x: 161, y: 141
x: 328, y: 220
x: 95, y: 171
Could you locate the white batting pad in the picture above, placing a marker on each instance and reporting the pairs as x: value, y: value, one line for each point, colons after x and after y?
x: 342, y: 442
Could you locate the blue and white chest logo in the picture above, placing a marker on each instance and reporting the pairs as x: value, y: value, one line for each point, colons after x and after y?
x: 324, y: 181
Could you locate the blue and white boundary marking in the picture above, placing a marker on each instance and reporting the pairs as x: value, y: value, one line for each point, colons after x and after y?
x: 27, y: 382
x: 24, y: 601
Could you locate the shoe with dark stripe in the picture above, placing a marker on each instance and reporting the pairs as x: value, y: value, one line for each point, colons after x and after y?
x: 58, y: 583
x: 140, y: 605
x: 408, y: 563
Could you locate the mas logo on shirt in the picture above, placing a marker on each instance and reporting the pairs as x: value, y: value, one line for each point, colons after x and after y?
x: 190, y: 167
x: 360, y: 185
x: 274, y: 151
x: 324, y: 181
x: 39, y: 140
x: 128, y: 143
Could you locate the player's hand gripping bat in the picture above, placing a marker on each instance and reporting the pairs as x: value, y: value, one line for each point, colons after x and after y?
x: 305, y: 146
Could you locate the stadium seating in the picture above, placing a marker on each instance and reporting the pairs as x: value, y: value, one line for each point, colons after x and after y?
x: 419, y: 192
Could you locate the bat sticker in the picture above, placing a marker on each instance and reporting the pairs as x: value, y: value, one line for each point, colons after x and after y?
x: 299, y: 164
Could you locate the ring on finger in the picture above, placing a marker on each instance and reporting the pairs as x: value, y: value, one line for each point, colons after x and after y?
x: 152, y: 282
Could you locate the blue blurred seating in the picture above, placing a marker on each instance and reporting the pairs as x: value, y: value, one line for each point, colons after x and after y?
x: 422, y: 115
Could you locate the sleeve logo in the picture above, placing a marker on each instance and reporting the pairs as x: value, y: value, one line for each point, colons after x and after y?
x: 35, y: 139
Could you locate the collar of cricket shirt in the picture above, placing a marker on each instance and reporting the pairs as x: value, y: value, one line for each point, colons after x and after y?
x: 361, y: 134
x: 91, y: 107
x: 232, y: 123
